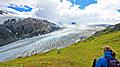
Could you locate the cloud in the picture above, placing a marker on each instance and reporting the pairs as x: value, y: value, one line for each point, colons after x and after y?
x: 30, y: 3
x: 21, y: 8
x: 104, y: 11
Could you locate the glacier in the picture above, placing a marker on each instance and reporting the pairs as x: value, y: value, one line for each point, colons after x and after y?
x: 43, y: 43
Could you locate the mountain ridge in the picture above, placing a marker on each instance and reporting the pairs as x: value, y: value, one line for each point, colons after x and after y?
x: 25, y: 28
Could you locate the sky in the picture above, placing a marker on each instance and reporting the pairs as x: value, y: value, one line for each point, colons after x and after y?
x: 66, y: 11
x: 82, y: 3
x: 21, y: 8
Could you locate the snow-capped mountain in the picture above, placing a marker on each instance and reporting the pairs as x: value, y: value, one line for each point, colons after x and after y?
x: 14, y: 29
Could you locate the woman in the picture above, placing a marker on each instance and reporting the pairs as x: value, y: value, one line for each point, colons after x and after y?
x: 103, y: 61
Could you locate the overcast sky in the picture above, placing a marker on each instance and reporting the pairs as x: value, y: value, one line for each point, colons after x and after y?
x: 66, y: 11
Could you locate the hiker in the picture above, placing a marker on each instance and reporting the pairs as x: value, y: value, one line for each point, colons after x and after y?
x: 102, y: 61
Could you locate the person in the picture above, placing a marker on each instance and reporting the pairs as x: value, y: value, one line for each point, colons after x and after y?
x: 108, y: 55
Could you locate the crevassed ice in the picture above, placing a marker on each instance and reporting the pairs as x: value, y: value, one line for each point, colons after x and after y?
x: 42, y: 43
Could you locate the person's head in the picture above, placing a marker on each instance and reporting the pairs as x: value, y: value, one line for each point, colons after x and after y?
x: 108, y: 52
x: 107, y: 48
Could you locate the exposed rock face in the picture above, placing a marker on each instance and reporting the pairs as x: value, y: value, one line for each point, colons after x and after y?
x: 14, y: 29
x: 6, y: 36
x: 30, y: 27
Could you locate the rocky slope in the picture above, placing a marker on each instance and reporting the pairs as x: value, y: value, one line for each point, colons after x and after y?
x: 15, y: 29
x: 6, y: 36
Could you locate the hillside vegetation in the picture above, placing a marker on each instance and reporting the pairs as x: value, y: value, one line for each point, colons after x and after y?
x: 80, y: 54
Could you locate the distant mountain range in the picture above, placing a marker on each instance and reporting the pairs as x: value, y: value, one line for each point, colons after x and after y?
x: 100, y: 25
x: 15, y: 29
x: 109, y: 29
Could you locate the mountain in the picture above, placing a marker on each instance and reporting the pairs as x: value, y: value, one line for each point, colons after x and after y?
x: 102, y: 25
x: 30, y: 27
x: 6, y: 36
x: 109, y: 29
x: 99, y: 26
x: 24, y: 28
x: 80, y: 54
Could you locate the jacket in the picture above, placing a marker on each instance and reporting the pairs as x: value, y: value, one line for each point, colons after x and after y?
x: 103, y: 61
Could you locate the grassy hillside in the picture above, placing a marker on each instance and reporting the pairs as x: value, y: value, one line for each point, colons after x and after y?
x: 80, y: 54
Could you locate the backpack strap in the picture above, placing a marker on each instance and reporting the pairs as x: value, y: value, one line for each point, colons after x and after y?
x: 94, y: 62
x: 101, y: 66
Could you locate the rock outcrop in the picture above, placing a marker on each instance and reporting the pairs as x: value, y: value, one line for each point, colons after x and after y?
x: 15, y: 29
x: 6, y: 36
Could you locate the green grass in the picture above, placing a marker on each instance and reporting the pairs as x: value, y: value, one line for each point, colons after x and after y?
x: 80, y: 54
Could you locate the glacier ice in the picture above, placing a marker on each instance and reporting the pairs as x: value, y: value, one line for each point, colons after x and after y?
x: 43, y: 43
